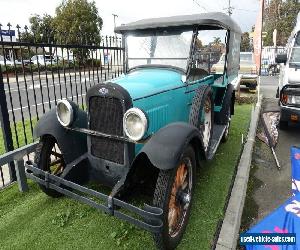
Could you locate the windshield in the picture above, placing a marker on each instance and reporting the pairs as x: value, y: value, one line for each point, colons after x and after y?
x: 295, y: 55
x: 247, y: 57
x: 165, y: 49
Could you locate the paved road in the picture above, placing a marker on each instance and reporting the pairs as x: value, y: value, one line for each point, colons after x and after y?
x: 270, y: 187
x: 38, y: 94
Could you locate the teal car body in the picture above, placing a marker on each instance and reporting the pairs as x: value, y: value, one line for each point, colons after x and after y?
x: 164, y: 95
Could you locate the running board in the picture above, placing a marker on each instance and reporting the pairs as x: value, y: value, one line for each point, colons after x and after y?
x: 218, y: 132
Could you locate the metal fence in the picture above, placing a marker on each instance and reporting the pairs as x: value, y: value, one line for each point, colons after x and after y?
x: 37, y: 70
x: 268, y: 55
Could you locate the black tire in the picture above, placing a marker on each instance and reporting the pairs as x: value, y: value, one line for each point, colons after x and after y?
x: 226, y: 132
x: 203, y: 94
x: 42, y: 158
x: 164, y: 191
x: 283, y: 125
x: 253, y: 87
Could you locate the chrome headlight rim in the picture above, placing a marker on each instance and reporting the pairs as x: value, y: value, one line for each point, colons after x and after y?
x: 70, y: 111
x: 141, y: 114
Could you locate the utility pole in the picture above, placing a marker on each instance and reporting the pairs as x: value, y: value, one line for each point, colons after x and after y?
x: 115, y: 15
x: 230, y: 8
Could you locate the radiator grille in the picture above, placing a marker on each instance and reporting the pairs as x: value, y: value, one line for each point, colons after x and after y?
x: 106, y: 116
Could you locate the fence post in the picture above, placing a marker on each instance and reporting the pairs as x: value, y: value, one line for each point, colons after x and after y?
x: 5, y: 126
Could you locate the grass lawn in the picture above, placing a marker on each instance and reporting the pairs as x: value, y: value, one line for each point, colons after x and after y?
x: 20, y: 132
x: 34, y: 221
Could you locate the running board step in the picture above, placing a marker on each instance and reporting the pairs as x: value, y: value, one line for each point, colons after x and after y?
x: 218, y: 132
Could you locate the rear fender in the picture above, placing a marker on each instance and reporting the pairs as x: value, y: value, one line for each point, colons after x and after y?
x: 72, y: 144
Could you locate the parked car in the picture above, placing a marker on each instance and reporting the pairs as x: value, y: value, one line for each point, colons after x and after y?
x: 7, y: 62
x: 43, y: 60
x: 248, y: 71
x: 148, y: 129
x: 289, y: 80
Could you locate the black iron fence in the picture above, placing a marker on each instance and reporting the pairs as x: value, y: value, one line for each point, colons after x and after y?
x: 37, y: 70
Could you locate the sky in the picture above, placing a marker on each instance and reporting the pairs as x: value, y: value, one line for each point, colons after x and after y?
x: 19, y: 11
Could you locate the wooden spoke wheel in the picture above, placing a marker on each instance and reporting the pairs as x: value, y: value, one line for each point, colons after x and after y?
x: 173, y: 193
x: 49, y: 158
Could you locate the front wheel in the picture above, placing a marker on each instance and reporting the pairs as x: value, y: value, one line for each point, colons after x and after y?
x: 173, y: 193
x: 49, y: 158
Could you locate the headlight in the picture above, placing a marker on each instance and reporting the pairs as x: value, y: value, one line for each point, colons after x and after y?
x: 135, y: 124
x: 64, y: 113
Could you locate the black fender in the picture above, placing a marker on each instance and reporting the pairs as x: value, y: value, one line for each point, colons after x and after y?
x: 165, y: 148
x: 73, y: 144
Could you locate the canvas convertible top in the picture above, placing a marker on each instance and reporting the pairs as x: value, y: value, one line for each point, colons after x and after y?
x: 217, y: 19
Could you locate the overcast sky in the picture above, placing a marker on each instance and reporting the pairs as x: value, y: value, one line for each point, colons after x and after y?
x: 244, y: 12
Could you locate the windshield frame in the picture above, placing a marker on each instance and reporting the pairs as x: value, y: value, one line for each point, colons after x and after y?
x: 157, y: 32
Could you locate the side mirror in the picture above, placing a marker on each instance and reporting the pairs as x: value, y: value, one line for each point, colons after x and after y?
x: 281, y: 58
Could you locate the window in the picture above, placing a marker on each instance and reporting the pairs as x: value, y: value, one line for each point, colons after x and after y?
x: 209, y: 53
x: 165, y: 48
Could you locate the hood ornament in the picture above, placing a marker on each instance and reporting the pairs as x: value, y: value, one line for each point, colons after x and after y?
x: 103, y: 91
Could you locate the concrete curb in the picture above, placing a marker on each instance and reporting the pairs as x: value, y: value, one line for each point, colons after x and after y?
x: 229, y: 232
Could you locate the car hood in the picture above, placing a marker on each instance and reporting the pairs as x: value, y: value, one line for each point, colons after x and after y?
x: 144, y: 82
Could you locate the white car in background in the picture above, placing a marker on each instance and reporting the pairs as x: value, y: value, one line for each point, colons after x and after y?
x: 8, y: 62
x: 42, y: 60
x: 289, y: 80
x: 248, y: 71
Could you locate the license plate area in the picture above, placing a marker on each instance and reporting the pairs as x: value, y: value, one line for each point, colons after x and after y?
x: 294, y: 118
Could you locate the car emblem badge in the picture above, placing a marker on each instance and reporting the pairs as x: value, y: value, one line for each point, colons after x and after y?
x: 103, y: 91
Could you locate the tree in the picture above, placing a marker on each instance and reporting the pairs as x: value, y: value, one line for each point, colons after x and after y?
x: 245, y: 43
x: 280, y: 15
x: 217, y: 41
x: 41, y: 29
x: 77, y: 20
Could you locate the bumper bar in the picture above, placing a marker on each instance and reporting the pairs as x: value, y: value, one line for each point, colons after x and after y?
x: 150, y: 216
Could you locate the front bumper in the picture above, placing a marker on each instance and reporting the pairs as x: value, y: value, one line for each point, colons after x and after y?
x: 250, y: 80
x: 149, y: 218
x: 289, y: 113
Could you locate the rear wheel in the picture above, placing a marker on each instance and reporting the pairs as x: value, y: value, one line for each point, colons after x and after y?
x: 49, y: 158
x: 173, y: 193
x: 253, y: 88
x: 202, y: 114
x: 226, y: 132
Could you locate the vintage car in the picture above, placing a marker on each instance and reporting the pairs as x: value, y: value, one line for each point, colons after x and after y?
x: 248, y: 70
x: 146, y: 130
x: 289, y: 80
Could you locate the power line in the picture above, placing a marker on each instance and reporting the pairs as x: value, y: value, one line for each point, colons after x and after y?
x: 200, y: 5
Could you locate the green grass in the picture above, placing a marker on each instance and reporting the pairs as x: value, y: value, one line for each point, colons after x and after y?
x: 20, y: 133
x: 34, y: 221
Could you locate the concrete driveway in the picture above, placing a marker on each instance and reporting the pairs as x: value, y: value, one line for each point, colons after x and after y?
x: 268, y: 187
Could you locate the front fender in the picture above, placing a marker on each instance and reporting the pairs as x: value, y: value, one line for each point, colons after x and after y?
x: 73, y: 144
x: 165, y: 148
